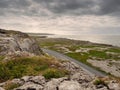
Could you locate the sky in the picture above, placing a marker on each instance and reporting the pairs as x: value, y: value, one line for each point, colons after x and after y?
x: 61, y: 16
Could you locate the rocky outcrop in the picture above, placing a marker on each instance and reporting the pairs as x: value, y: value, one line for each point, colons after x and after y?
x: 15, y: 41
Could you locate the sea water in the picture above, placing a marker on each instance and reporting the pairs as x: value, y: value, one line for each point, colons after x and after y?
x: 104, y: 39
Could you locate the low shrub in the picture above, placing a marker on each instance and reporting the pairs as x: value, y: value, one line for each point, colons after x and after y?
x: 99, y: 82
x: 54, y: 73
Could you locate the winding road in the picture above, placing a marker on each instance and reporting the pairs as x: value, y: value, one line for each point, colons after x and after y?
x: 86, y: 68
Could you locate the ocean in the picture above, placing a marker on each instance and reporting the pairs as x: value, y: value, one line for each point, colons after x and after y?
x: 104, y: 39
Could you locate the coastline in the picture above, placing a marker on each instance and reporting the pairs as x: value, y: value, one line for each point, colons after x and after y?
x: 101, y: 39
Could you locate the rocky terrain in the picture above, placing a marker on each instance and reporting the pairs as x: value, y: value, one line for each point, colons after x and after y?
x: 14, y: 42
x: 109, y: 66
x: 77, y: 80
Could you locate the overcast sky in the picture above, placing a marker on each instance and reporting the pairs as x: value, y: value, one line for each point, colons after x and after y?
x: 61, y: 16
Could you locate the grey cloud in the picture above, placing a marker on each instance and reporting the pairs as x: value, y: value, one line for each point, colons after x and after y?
x: 19, y: 7
x: 13, y: 6
x: 78, y: 7
x: 14, y: 3
x: 109, y: 6
x: 20, y: 4
x: 4, y: 4
x: 61, y: 7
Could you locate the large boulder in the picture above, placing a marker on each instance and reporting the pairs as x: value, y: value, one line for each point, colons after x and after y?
x: 14, y: 41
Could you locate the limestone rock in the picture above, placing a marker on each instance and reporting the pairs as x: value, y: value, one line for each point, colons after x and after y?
x: 38, y: 80
x: 81, y: 78
x: 26, y: 78
x: 71, y: 66
x: 54, y: 83
x: 12, y: 41
x: 2, y: 84
x: 30, y: 86
x: 114, y: 85
x: 70, y: 85
x: 17, y: 81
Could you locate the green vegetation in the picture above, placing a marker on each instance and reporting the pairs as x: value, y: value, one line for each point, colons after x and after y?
x: 11, y: 86
x: 73, y: 45
x: 28, y: 66
x: 1, y: 58
x: 49, y: 42
x: 80, y: 57
x: 54, y: 73
x: 82, y: 50
x: 115, y: 50
x: 98, y: 54
x: 99, y: 82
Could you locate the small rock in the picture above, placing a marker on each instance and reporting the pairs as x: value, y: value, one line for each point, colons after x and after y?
x: 2, y: 84
x: 17, y: 81
x: 26, y: 78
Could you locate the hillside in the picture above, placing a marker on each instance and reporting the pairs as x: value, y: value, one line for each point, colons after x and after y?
x: 24, y: 66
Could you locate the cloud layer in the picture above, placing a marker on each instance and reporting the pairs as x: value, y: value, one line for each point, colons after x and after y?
x: 60, y: 16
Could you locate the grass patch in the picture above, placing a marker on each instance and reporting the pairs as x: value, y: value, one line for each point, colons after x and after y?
x: 80, y: 57
x: 115, y: 50
x: 26, y: 66
x: 11, y: 86
x: 54, y: 73
x: 1, y: 58
x: 73, y: 47
x: 47, y: 44
x: 99, y: 54
x: 100, y: 82
x: 88, y: 46
x: 103, y: 55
